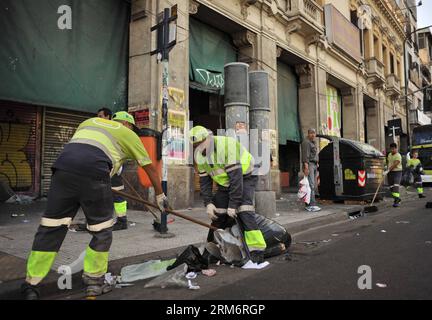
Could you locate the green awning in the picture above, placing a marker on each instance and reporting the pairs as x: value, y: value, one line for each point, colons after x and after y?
x: 209, y: 50
x: 288, y: 117
x: 82, y: 68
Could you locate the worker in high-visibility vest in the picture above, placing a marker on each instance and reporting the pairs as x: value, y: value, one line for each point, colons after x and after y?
x: 120, y: 203
x: 394, y: 172
x: 81, y: 178
x: 225, y: 161
x: 414, y: 164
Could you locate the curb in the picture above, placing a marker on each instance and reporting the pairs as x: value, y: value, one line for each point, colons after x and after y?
x: 10, y: 290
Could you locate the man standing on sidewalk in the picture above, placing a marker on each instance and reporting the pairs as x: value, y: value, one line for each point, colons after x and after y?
x: 81, y: 178
x: 309, y: 153
x: 394, y: 171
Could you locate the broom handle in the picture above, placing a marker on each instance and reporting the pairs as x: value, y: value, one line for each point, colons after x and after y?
x: 167, y: 210
x: 137, y: 194
x: 376, y: 192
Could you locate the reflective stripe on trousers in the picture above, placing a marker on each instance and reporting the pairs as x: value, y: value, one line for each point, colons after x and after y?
x: 120, y: 208
x: 253, y: 236
x: 67, y: 193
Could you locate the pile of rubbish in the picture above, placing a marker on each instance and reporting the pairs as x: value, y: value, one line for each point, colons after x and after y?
x: 7, y: 195
x: 227, y: 249
x: 181, y: 272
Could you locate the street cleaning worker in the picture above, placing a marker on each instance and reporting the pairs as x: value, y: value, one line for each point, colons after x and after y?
x: 416, y: 168
x: 120, y: 203
x: 226, y: 162
x: 394, y: 172
x: 81, y: 178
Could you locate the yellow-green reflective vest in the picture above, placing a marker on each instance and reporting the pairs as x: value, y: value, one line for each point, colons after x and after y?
x: 227, y: 155
x: 118, y: 142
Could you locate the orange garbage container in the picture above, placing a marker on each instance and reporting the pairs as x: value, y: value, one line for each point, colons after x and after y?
x: 152, y: 141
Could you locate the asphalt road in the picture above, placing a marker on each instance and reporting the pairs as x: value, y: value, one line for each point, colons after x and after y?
x: 396, y: 244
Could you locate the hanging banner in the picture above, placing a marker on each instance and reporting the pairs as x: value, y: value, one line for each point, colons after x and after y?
x: 333, y: 125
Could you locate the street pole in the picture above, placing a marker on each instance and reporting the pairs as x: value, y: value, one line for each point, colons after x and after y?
x: 164, y: 47
x: 407, y: 109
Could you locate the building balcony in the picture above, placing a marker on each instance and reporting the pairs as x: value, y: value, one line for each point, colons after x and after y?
x: 375, y: 71
x: 307, y: 14
x: 418, y: 117
x: 414, y: 77
x: 393, y: 86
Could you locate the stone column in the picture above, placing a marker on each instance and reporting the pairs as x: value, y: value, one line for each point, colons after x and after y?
x: 145, y: 85
x: 373, y: 124
x: 350, y: 121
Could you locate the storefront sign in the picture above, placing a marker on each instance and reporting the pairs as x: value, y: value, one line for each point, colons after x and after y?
x: 142, y: 118
x: 342, y: 33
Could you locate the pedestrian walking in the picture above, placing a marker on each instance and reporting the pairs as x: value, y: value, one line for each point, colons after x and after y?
x: 309, y: 151
x: 394, y: 172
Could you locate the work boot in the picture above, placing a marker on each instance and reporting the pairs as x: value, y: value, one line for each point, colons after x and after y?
x: 397, y: 202
x: 257, y: 256
x: 96, y: 286
x: 121, y: 224
x: 421, y: 196
x: 30, y: 292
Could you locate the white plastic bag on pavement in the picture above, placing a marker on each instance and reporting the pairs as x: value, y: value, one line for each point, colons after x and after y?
x: 146, y: 270
x: 304, y: 193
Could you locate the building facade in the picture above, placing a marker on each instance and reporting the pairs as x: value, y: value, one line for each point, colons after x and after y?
x: 334, y: 65
x: 326, y: 70
x: 425, y: 52
x: 414, y: 70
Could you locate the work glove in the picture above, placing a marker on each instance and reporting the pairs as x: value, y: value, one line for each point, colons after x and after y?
x: 211, y: 211
x: 232, y: 213
x: 162, y: 202
x: 385, y: 173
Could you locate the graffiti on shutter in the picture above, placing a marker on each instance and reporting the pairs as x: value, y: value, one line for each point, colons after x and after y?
x: 18, y: 141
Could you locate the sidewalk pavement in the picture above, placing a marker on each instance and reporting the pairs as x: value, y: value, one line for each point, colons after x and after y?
x: 18, y: 224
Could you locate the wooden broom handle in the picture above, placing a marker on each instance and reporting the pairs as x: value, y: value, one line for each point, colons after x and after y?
x: 181, y: 215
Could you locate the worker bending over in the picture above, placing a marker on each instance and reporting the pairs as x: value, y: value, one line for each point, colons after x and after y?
x: 225, y: 161
x: 81, y: 178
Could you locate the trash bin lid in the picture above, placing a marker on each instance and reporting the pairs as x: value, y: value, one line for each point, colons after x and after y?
x: 364, y: 148
x: 146, y: 132
x: 349, y: 148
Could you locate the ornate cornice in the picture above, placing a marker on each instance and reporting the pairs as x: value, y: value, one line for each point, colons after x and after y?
x: 193, y: 7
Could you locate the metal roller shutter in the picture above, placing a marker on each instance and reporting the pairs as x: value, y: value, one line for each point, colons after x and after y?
x: 19, y: 143
x: 59, y: 127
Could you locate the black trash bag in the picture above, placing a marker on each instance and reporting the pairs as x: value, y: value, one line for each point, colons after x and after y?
x: 277, y: 238
x: 193, y: 258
